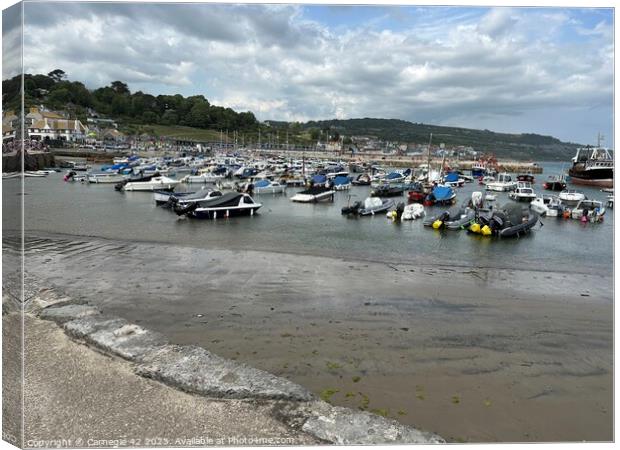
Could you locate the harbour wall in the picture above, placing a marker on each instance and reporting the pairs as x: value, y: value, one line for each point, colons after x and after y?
x: 197, y: 371
x: 12, y: 162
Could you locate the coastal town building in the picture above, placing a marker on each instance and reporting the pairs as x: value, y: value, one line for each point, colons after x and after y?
x: 51, y: 125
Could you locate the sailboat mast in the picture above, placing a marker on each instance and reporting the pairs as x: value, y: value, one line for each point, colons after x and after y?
x: 428, y: 164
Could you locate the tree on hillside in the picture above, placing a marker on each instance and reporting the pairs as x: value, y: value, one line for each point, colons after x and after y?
x: 57, y: 75
x: 119, y: 87
x: 199, y: 116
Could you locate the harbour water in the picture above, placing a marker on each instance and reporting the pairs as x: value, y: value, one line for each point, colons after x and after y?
x: 317, y: 229
x: 476, y: 338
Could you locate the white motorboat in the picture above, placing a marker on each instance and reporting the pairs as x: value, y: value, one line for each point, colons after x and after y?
x: 588, y: 210
x: 547, y: 205
x: 571, y: 197
x: 105, y: 177
x: 35, y: 173
x: 523, y: 192
x: 202, y: 178
x: 182, y: 198
x: 224, y: 206
x: 269, y: 187
x: 503, y: 183
x: 314, y: 194
x: 155, y: 184
x: 9, y: 175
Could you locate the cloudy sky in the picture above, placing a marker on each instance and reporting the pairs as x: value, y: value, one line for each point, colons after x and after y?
x: 542, y: 70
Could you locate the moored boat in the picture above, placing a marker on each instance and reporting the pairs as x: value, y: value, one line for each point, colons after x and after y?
x: 593, y: 166
x: 104, y: 177
x: 228, y: 205
x: 523, y: 193
x: 571, y: 197
x: 314, y: 194
x: 555, y: 183
x: 269, y: 187
x: 387, y: 191
x: 375, y: 205
x: 503, y: 183
x: 154, y: 184
x: 547, y: 205
x: 588, y: 211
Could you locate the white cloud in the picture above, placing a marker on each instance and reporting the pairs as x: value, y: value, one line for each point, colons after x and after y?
x: 274, y: 61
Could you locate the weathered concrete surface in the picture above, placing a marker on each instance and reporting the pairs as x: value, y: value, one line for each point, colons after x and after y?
x: 194, y: 369
x: 12, y: 358
x: 197, y: 371
x: 128, y: 341
x: 65, y: 313
x: 74, y: 393
x: 345, y: 426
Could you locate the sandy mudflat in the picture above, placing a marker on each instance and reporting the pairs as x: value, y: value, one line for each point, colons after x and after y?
x: 472, y: 354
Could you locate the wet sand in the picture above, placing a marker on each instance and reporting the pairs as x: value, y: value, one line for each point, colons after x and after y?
x: 472, y: 354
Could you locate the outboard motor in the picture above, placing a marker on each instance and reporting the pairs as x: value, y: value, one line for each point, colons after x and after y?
x: 400, y: 208
x: 353, y: 209
x: 172, y: 201
x: 119, y: 186
x: 182, y: 210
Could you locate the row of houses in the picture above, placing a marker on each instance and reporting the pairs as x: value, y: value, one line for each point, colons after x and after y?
x: 44, y: 125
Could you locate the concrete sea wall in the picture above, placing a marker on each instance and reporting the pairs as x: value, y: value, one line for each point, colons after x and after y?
x: 197, y: 371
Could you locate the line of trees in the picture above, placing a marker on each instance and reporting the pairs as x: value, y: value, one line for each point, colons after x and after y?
x: 55, y: 91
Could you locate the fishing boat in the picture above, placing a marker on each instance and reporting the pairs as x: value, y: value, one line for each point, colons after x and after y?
x: 523, y: 192
x: 547, y: 205
x: 154, y: 184
x: 314, y: 194
x: 571, y: 197
x: 269, y: 187
x: 588, y: 211
x: 478, y: 169
x: 228, y: 205
x: 555, y: 183
x: 593, y: 166
x: 503, y: 183
x: 387, y: 191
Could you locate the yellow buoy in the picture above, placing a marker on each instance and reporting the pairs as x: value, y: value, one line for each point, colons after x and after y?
x: 437, y: 224
x: 486, y: 230
x: 475, y: 228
